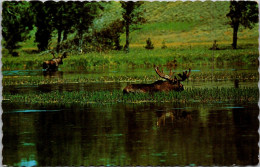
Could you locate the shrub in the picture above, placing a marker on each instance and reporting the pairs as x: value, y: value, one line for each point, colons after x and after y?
x: 163, y: 45
x: 149, y: 44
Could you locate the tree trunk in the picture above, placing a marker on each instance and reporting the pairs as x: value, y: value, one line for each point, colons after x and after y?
x: 126, y: 48
x: 59, y: 39
x: 65, y: 35
x: 235, y: 30
x: 117, y: 42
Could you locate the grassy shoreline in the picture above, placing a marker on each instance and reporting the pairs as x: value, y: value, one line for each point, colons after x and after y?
x: 203, y: 95
x: 138, y: 57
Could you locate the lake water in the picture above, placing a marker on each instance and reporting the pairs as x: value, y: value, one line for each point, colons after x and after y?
x: 128, y: 134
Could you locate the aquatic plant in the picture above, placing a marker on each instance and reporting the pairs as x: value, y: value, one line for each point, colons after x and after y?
x: 133, y: 78
x: 205, y: 95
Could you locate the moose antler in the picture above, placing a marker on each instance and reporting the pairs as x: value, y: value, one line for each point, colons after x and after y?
x: 183, y: 77
x: 164, y: 76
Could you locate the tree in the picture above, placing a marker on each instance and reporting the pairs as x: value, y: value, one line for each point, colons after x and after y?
x: 244, y: 13
x: 63, y: 17
x: 64, y: 20
x: 131, y: 16
x: 16, y: 24
x: 43, y: 18
x: 109, y: 36
x: 85, y: 14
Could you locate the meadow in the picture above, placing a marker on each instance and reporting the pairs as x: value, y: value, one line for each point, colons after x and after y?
x: 139, y: 57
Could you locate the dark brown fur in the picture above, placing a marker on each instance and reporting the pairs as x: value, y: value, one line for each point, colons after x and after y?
x: 163, y: 86
x: 52, y: 65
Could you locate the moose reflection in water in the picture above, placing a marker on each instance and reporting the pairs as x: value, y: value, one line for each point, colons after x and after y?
x: 53, y: 74
x: 173, y: 116
x: 52, y: 65
x: 164, y: 86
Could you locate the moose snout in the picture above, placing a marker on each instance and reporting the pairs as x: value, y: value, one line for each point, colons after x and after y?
x: 181, y: 88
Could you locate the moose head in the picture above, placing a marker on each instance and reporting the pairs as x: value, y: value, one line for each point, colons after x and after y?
x: 170, y: 83
x: 52, y: 65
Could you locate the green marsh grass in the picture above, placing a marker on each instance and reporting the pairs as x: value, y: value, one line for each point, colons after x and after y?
x: 188, y: 95
x: 134, y: 78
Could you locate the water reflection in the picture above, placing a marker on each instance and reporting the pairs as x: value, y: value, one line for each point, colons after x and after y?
x: 128, y: 134
x: 25, y: 162
x: 52, y: 74
x: 174, y: 116
x: 45, y: 88
x: 236, y: 83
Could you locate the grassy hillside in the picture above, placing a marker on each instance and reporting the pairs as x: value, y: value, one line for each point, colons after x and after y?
x: 189, y: 23
x: 177, y: 23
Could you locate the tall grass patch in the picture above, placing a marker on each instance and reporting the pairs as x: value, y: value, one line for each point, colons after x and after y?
x: 189, y: 95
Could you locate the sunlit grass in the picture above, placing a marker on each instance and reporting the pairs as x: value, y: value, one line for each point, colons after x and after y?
x: 138, y: 57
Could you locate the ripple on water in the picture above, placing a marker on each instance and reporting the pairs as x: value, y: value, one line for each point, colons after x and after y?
x: 31, y: 111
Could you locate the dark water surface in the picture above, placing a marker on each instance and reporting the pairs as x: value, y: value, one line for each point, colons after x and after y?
x: 130, y: 134
x: 125, y: 70
x: 113, y: 72
x: 127, y: 134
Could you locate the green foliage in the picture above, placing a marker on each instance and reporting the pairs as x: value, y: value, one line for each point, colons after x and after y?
x: 85, y: 15
x: 64, y: 18
x: 244, y: 13
x: 131, y: 12
x: 109, y: 37
x: 43, y: 14
x: 16, y: 24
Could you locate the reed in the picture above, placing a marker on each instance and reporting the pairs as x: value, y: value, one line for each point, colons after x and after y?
x: 134, y: 78
x: 205, y: 95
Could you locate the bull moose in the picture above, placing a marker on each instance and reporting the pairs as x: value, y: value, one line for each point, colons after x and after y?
x: 52, y: 65
x: 163, y: 86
